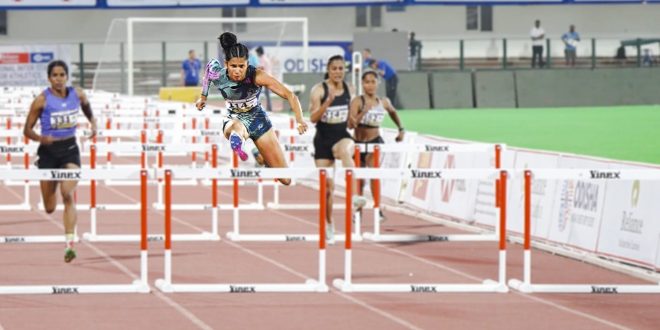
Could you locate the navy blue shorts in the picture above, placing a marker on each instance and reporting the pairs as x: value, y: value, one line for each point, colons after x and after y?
x: 256, y: 122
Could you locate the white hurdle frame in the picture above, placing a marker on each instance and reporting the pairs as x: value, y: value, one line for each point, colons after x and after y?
x: 24, y: 149
x: 159, y: 148
x: 235, y: 234
x: 138, y: 286
x: 159, y: 205
x: 311, y: 285
x: 377, y: 236
x: 526, y: 284
x: 346, y: 284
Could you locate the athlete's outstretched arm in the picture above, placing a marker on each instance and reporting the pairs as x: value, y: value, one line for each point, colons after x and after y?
x: 395, y: 118
x: 264, y: 79
x: 212, y: 72
x: 87, y: 110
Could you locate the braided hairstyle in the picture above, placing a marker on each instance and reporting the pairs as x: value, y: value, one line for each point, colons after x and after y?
x: 231, y: 47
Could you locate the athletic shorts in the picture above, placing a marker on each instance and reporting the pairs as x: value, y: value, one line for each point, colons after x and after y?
x: 323, y: 143
x: 255, y: 121
x: 58, y: 154
x: 363, y: 155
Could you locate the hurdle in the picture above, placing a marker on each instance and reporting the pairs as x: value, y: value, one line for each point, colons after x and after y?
x: 526, y: 284
x: 346, y: 284
x: 292, y: 148
x: 24, y: 149
x: 94, y: 236
x: 236, y: 235
x: 138, y: 286
x: 311, y: 285
x: 377, y: 236
x: 159, y: 205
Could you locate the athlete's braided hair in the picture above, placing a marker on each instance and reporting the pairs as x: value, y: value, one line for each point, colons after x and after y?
x: 231, y: 47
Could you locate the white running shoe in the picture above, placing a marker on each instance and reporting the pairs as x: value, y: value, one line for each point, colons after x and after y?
x: 359, y: 202
x: 329, y: 234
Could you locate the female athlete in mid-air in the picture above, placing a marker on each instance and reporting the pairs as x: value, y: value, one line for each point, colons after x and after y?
x: 240, y: 85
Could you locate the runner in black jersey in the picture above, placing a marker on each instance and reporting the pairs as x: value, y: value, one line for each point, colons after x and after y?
x: 328, y: 109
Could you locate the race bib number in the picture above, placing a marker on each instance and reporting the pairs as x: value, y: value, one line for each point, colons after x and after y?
x: 335, y: 115
x: 64, y: 119
x: 243, y: 105
x: 373, y: 118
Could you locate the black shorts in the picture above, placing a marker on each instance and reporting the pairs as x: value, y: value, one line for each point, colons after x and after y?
x: 323, y: 143
x: 363, y: 155
x: 58, y: 154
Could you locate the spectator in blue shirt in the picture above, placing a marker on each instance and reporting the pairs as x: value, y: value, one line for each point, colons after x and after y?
x: 190, y: 70
x: 388, y: 73
x: 570, y: 39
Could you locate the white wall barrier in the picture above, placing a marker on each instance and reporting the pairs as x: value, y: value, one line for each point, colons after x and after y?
x: 630, y: 222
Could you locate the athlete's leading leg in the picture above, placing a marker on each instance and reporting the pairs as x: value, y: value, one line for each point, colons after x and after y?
x: 369, y: 160
x: 236, y: 133
x: 343, y: 150
x: 270, y: 150
x: 329, y: 192
x: 48, y: 189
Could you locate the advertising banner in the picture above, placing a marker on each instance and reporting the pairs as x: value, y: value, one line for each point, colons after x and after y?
x: 578, y: 206
x: 47, y: 3
x: 27, y: 65
x: 543, y: 194
x: 630, y: 228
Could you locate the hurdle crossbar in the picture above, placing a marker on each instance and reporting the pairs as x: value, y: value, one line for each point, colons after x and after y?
x: 346, y: 284
x: 526, y: 285
x: 311, y: 285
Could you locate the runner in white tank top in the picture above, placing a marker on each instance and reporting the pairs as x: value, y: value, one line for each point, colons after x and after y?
x: 368, y: 112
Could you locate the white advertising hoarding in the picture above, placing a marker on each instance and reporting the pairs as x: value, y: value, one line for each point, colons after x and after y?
x: 543, y: 194
x: 48, y: 3
x: 169, y: 3
x: 630, y: 227
x: 27, y: 65
x: 578, y: 206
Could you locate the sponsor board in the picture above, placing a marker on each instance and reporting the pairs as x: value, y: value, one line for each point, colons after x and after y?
x: 630, y: 228
x: 453, y: 197
x: 578, y: 206
x: 26, y: 65
x: 543, y: 194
